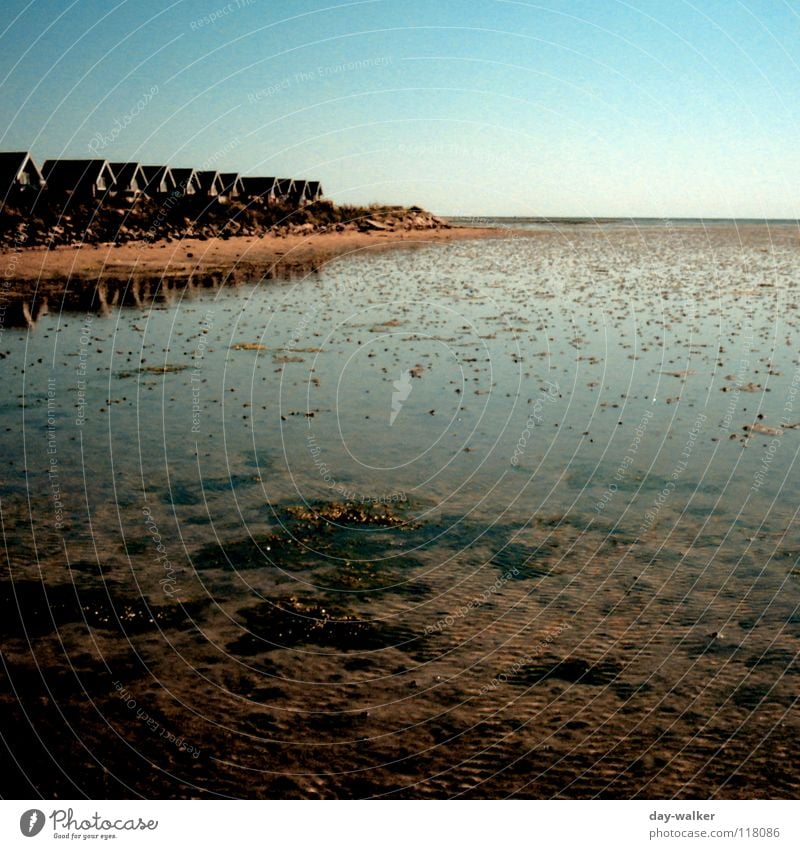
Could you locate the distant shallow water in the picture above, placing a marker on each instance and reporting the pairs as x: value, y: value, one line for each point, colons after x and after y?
x: 507, y: 517
x: 646, y: 224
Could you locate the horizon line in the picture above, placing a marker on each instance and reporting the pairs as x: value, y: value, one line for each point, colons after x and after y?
x: 609, y: 218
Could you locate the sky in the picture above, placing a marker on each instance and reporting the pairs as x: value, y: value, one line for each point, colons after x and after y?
x: 643, y: 108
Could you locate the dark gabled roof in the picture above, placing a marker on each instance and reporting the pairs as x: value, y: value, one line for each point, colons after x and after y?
x: 187, y: 175
x: 69, y: 173
x: 313, y: 189
x: 299, y: 188
x: 284, y: 186
x: 156, y: 172
x: 155, y: 175
x: 258, y: 185
x: 231, y: 182
x: 209, y: 181
x: 125, y: 174
x: 12, y: 165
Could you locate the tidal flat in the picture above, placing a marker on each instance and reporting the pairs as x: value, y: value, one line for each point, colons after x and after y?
x: 487, y: 518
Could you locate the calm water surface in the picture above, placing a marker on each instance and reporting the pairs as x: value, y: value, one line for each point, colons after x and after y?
x: 509, y: 517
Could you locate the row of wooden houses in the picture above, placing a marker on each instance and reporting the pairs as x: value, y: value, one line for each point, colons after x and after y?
x: 94, y: 179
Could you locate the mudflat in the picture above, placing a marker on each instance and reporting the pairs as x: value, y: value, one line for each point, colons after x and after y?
x: 243, y: 256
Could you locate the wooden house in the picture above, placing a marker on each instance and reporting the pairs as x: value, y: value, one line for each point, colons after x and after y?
x: 130, y: 179
x: 210, y: 183
x: 159, y: 180
x: 19, y: 175
x: 284, y: 189
x: 81, y: 179
x: 313, y: 191
x: 264, y: 188
x: 297, y: 194
x: 305, y: 191
x: 232, y: 187
x: 186, y: 180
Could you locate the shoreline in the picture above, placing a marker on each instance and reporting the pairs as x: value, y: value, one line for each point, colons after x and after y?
x: 41, y: 270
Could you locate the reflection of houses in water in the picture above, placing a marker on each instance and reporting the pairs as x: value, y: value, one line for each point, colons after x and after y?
x: 24, y: 313
x: 140, y: 292
x: 106, y: 295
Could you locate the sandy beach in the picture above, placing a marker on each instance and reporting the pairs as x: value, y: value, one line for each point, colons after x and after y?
x: 194, y: 259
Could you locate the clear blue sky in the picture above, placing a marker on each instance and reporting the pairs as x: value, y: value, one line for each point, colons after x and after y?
x: 563, y: 107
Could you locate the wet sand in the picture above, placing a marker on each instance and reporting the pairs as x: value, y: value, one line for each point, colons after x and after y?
x: 606, y: 607
x: 247, y: 257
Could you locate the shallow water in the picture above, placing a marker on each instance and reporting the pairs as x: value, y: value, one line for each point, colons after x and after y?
x: 584, y: 582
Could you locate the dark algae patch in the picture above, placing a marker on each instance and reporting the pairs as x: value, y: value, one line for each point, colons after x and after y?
x: 367, y: 550
x: 32, y: 608
x: 368, y: 579
x: 289, y: 622
x: 520, y: 563
x: 572, y: 670
x: 605, y: 673
x: 337, y: 534
x: 317, y: 516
